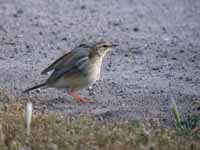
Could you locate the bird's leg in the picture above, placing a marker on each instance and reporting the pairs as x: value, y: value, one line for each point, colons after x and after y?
x: 78, y: 98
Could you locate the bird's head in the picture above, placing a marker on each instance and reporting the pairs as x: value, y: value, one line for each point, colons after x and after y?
x: 101, y: 48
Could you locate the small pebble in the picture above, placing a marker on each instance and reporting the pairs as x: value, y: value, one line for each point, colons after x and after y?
x: 155, y: 68
x: 136, y: 29
x: 83, y: 7
x: 64, y: 39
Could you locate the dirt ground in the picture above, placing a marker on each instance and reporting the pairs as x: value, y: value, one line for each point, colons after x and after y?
x: 157, y: 60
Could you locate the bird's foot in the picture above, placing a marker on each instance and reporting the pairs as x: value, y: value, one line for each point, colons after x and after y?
x: 83, y: 100
x: 79, y: 98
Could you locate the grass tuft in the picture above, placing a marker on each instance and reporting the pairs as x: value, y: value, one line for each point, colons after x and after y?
x: 189, y: 125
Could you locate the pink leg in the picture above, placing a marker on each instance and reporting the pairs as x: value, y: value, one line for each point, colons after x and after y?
x: 78, y: 98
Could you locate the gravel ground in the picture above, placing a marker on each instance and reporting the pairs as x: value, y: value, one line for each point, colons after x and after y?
x: 157, y: 59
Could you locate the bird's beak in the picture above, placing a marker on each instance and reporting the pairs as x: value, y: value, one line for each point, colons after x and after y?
x: 114, y: 45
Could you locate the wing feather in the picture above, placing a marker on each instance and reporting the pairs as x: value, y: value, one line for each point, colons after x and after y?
x: 72, y: 68
x: 68, y: 58
x: 57, y: 63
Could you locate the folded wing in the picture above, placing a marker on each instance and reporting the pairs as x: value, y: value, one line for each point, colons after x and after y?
x: 66, y: 59
x: 57, y: 63
x: 72, y: 63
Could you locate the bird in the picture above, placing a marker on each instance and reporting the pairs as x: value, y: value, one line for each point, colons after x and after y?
x: 76, y: 69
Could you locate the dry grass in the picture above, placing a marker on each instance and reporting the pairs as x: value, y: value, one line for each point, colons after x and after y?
x: 52, y: 131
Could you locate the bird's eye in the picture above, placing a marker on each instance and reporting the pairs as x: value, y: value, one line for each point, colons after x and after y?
x: 104, y: 46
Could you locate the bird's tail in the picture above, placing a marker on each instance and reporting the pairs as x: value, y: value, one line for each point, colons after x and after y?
x: 35, y: 87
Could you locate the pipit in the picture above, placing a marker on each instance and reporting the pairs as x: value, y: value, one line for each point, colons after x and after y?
x: 76, y: 69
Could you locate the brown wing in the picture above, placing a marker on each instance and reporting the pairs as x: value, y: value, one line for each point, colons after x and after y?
x: 68, y: 58
x: 57, y: 63
x: 76, y: 66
